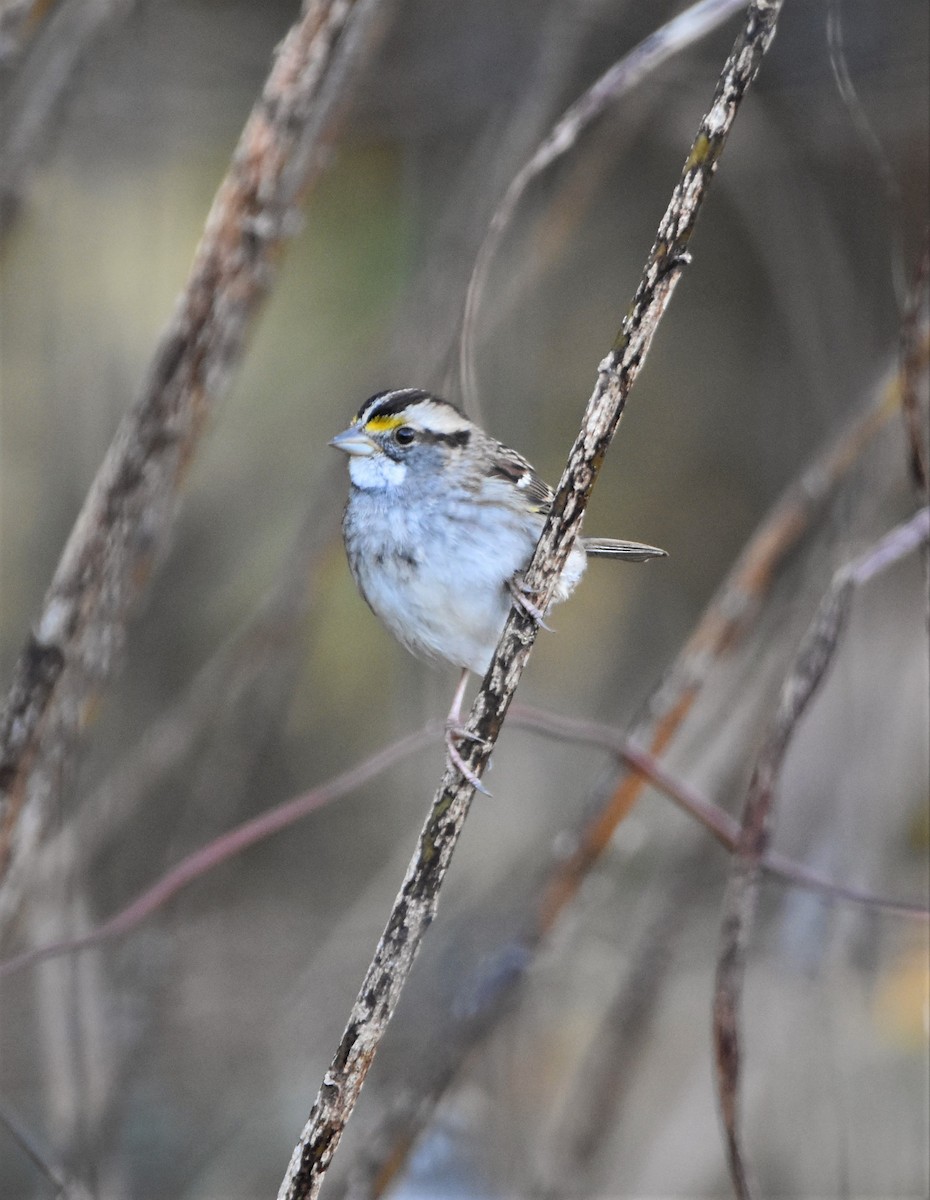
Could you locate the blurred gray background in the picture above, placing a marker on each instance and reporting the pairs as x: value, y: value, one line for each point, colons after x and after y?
x: 181, y: 1061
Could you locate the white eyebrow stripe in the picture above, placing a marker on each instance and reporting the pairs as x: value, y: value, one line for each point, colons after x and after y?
x: 439, y: 418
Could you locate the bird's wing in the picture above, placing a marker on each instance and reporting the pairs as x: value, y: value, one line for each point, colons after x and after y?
x: 509, y: 465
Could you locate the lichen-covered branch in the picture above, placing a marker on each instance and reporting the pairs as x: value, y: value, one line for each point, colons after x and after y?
x: 808, y: 672
x: 123, y: 527
x: 416, y: 903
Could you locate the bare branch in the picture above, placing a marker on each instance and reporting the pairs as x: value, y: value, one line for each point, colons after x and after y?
x: 801, y: 685
x: 124, y: 525
x: 725, y: 622
x: 416, y: 904
x: 252, y: 660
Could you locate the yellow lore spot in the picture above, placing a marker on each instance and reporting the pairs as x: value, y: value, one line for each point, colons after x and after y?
x: 383, y: 424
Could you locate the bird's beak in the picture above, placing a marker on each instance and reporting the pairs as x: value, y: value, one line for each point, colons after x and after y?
x: 354, y: 442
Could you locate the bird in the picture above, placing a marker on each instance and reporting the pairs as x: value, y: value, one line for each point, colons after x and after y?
x: 439, y: 527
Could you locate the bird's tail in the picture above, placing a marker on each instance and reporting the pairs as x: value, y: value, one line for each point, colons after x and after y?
x: 613, y: 548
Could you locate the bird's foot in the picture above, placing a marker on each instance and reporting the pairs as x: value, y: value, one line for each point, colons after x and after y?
x: 522, y: 595
x: 457, y: 733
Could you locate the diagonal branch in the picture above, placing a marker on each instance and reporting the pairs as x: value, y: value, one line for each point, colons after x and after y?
x: 715, y: 820
x: 721, y: 628
x: 804, y: 680
x: 416, y: 903
x: 123, y: 527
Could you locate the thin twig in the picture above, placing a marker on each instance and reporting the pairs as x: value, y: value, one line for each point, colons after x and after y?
x: 722, y: 627
x: 724, y: 828
x: 717, y: 821
x: 65, y: 1185
x: 810, y: 667
x: 416, y: 904
x: 871, y: 142
x: 620, y: 79
x: 228, y: 845
x: 123, y: 527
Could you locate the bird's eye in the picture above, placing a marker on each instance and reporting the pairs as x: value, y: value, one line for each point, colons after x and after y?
x: 404, y: 435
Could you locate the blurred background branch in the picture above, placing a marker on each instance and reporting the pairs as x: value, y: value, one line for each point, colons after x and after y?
x: 622, y: 77
x: 913, y: 362
x: 814, y: 658
x: 52, y: 44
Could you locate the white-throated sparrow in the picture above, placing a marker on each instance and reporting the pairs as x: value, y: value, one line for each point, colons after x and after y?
x: 440, y: 524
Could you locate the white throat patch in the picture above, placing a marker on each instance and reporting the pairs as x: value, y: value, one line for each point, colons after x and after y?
x: 374, y: 472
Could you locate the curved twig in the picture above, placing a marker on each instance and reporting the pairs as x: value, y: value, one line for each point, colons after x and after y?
x: 721, y: 628
x: 620, y: 79
x: 871, y: 143
x: 717, y: 821
x: 416, y: 903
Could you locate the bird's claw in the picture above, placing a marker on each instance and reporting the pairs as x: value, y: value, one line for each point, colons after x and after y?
x: 455, y: 733
x: 521, y: 595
